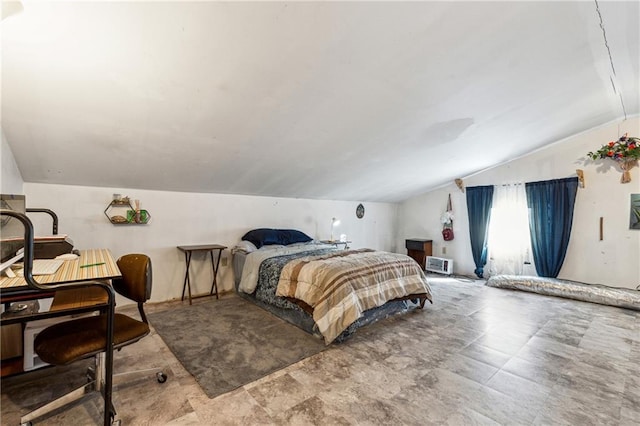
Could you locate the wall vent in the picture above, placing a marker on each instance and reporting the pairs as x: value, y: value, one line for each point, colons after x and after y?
x: 439, y: 265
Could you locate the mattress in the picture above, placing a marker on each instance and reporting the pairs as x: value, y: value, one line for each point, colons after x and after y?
x: 265, y: 289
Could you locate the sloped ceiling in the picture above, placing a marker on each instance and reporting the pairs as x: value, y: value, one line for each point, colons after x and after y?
x: 373, y: 101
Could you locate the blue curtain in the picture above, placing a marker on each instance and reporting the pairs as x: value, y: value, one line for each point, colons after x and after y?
x: 550, y: 216
x: 479, y: 202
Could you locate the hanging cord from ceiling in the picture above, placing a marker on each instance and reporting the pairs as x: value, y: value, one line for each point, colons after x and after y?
x: 613, y: 68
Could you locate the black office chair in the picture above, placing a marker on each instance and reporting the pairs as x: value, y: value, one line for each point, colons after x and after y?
x: 69, y: 341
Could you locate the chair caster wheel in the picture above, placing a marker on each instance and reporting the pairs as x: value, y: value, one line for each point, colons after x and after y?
x: 90, y: 374
x: 161, y: 377
x: 112, y: 418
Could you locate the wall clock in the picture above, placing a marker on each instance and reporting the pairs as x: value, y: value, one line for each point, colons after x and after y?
x: 360, y: 211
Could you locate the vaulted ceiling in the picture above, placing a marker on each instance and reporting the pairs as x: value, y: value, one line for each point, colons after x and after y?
x: 375, y: 101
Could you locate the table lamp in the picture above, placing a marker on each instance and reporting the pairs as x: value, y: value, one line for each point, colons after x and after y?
x: 334, y: 222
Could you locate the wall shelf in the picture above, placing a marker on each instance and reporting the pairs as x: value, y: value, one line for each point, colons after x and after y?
x: 121, y: 212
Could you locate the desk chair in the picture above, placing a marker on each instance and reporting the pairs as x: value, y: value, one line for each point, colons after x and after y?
x: 69, y: 341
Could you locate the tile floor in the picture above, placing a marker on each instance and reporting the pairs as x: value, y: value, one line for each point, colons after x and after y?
x: 478, y: 355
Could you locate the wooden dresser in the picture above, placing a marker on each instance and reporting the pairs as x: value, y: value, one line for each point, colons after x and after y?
x: 419, y: 249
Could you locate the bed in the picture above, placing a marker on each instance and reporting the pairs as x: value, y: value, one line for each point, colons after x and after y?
x: 324, y: 290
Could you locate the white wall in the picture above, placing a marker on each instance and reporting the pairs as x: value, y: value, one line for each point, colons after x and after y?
x: 10, y: 178
x: 194, y: 218
x: 191, y: 218
x: 614, y: 261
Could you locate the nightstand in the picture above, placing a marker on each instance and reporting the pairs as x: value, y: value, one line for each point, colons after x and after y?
x: 419, y: 249
x: 337, y: 243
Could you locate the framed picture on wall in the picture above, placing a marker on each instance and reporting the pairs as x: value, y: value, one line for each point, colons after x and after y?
x: 634, y: 214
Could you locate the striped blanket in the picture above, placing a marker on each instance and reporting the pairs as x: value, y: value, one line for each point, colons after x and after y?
x: 340, y: 286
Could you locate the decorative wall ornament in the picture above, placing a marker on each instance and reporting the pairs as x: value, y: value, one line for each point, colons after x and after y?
x: 625, y: 151
x: 447, y: 222
x: 360, y: 211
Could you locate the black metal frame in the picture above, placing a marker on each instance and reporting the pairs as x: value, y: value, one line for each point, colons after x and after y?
x: 109, y: 411
x: 51, y: 213
x: 215, y: 265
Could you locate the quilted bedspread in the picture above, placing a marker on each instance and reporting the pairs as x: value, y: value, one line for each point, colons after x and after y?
x: 340, y: 286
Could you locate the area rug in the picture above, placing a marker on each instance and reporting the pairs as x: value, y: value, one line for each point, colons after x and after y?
x: 230, y: 342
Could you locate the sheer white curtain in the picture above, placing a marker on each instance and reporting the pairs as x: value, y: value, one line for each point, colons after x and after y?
x: 509, y: 239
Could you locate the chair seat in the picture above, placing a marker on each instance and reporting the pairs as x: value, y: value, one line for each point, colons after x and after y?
x: 69, y: 341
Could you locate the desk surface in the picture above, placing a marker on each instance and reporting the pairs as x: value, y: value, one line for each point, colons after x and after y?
x: 72, y: 271
x: 202, y: 247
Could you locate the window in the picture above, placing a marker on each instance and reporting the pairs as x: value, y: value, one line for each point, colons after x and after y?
x: 509, y: 239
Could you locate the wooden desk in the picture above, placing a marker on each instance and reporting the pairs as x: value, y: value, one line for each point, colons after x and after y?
x: 188, y: 251
x: 72, y: 270
x: 76, y: 300
x: 13, y: 289
x: 65, y: 302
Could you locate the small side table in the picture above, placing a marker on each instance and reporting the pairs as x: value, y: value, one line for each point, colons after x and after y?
x: 188, y: 251
x: 337, y: 243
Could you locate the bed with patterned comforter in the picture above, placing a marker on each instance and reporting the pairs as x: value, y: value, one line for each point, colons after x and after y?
x: 332, y: 292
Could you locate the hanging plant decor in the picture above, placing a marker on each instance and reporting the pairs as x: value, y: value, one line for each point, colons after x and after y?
x: 626, y: 151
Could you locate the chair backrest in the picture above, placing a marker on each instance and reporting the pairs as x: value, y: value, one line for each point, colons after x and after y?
x: 136, y: 280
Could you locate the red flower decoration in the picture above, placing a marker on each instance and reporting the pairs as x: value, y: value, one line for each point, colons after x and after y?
x: 624, y: 149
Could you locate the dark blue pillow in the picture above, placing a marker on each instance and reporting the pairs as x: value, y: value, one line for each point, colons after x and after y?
x: 291, y: 236
x: 267, y: 236
x: 262, y: 236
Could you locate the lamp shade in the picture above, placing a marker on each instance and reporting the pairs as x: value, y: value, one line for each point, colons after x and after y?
x: 334, y: 222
